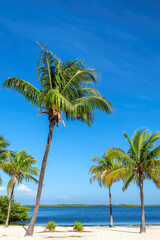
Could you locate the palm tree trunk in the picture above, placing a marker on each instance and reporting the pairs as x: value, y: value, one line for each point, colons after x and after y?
x: 30, y: 229
x: 9, y: 206
x: 142, y: 227
x: 111, y: 217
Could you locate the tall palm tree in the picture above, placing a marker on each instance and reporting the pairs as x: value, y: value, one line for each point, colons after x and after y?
x: 105, y: 166
x: 140, y: 162
x: 19, y: 166
x: 3, y: 145
x: 65, y: 89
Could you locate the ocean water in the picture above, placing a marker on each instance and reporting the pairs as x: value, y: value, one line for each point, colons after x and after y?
x: 94, y: 215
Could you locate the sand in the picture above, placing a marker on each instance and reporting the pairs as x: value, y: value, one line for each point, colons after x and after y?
x: 89, y: 233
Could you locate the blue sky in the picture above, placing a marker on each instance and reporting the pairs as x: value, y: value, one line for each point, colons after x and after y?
x: 120, y: 39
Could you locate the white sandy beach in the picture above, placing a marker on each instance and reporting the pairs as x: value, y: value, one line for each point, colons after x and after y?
x: 94, y: 233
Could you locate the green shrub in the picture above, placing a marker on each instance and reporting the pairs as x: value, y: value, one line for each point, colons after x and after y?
x: 18, y: 212
x: 51, y: 226
x: 2, y: 216
x: 78, y: 226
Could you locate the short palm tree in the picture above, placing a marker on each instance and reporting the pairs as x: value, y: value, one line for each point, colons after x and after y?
x: 3, y: 145
x: 65, y: 89
x: 101, y: 172
x: 140, y: 162
x: 19, y: 166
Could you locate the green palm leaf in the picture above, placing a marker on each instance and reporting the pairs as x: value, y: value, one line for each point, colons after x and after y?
x: 128, y: 180
x: 30, y: 92
x: 9, y: 186
x: 90, y: 103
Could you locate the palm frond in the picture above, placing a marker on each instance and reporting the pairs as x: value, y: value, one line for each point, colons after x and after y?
x: 90, y: 103
x: 30, y: 92
x: 128, y: 181
x: 80, y: 77
x: 121, y: 156
x: 151, y: 142
x: 155, y: 153
x: 29, y: 177
x: 155, y: 177
x: 3, y: 145
x: 131, y: 148
x: 98, y: 160
x: 9, y: 186
x: 58, y: 102
x: 139, y: 140
x: 114, y: 176
x: 89, y: 91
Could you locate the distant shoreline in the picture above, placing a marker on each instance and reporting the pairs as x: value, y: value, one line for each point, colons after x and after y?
x: 92, y: 205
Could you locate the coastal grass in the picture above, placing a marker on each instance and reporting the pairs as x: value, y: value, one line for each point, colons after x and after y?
x: 92, y: 205
x: 78, y: 227
x: 50, y: 226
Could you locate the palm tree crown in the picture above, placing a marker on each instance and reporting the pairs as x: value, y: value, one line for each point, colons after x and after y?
x: 105, y: 166
x: 65, y: 87
x: 141, y: 157
x: 19, y: 166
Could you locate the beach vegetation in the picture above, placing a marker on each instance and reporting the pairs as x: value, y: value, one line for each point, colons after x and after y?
x: 78, y: 227
x: 93, y: 205
x: 51, y: 226
x: 17, y: 212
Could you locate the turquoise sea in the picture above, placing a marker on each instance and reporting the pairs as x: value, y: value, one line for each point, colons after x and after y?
x: 95, y: 215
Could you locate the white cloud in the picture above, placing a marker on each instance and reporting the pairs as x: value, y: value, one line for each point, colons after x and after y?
x: 20, y: 188
x: 62, y: 197
x: 23, y: 187
x: 3, y: 188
